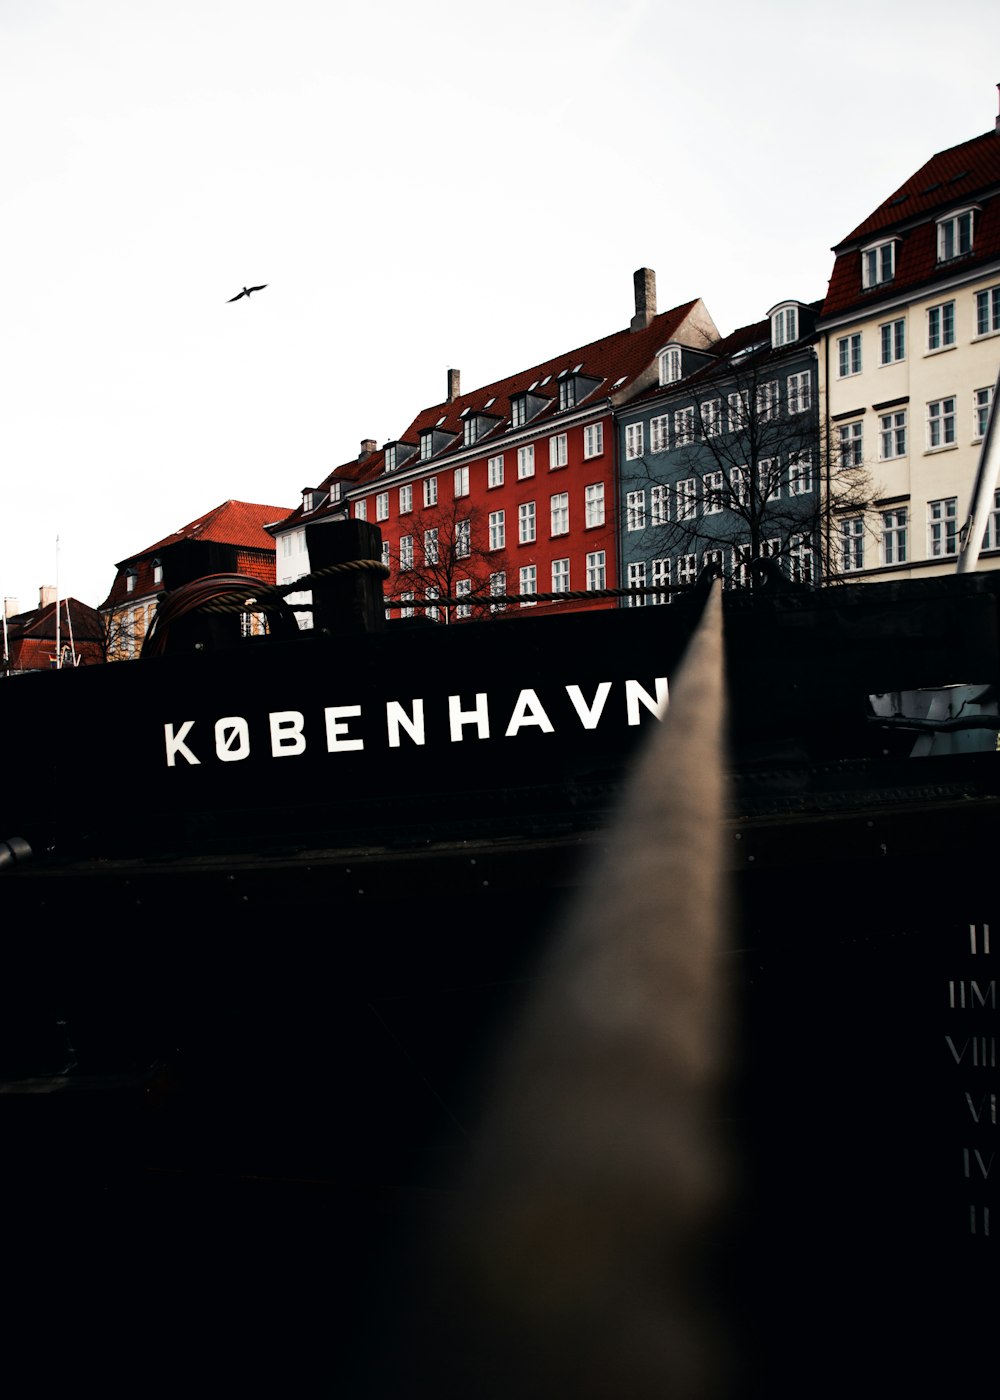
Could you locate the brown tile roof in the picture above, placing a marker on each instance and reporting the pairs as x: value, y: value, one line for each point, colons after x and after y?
x: 616, y: 361
x: 31, y: 636
x: 953, y: 179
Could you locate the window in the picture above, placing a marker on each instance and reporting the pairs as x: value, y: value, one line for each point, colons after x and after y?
x: 426, y: 453
x: 941, y: 326
x: 683, y: 426
x: 741, y: 565
x: 711, y: 417
x: 335, y: 491
x: 432, y: 613
x: 894, y: 535
x: 130, y: 579
x: 991, y: 535
x: 769, y: 478
x: 785, y: 326
x: 739, y: 485
x: 800, y: 559
x: 712, y: 559
x: 526, y: 461
x: 567, y: 393
x: 385, y: 554
x: 361, y: 510
x: 633, y: 441
x: 593, y: 440
x: 431, y: 552
x: 406, y: 598
x: 767, y: 401
x: 594, y: 505
x: 518, y: 412
x: 498, y: 529
x: 851, y: 444
x: 852, y: 544
x: 988, y: 311
x: 892, y: 435
x: 635, y: 510
x: 661, y: 579
x: 494, y: 471
x: 463, y: 587
x: 955, y: 235
x: 596, y: 570
x: 878, y: 263
x: 430, y: 490
x: 461, y: 481
x: 849, y: 355
x: 739, y: 410
x: 560, y: 576
x: 526, y: 522
x: 405, y: 499
x: 670, y: 365
x: 659, y: 433
x: 636, y: 579
x: 463, y: 539
x: 559, y: 509
x: 498, y: 587
x: 528, y: 582
x: 714, y: 492
x: 658, y: 507
x: 892, y: 341
x: 557, y: 451
x: 799, y: 392
x: 687, y: 568
x: 390, y: 457
x: 157, y: 571
x: 470, y: 430
x: 800, y: 476
x: 687, y: 499
x: 941, y: 423
x: 982, y: 401
x: 942, y: 533
x: 406, y: 552
x: 382, y: 506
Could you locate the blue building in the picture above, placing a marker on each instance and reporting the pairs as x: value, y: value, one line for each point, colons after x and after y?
x: 721, y: 463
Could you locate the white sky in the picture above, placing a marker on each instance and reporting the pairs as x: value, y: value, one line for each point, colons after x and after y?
x: 422, y: 185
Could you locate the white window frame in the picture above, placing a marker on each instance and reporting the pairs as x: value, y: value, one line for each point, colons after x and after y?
x: 463, y: 539
x: 895, y: 524
x: 659, y: 433
x: 942, y: 528
x: 494, y: 472
x: 988, y: 311
x: 683, y: 426
x: 463, y: 587
x: 991, y: 535
x: 432, y: 613
x: 784, y: 326
x: 498, y: 529
x: 687, y: 499
x: 406, y: 551
x: 670, y: 364
x: 941, y: 423
x: 558, y: 452
x: 432, y: 549
x: 892, y: 435
x: 593, y: 505
x: 636, y: 578
x: 739, y: 486
x: 798, y: 389
x: 498, y: 587
x: 597, y: 576
x: 659, y: 505
x: 528, y: 582
x: 738, y: 410
x: 982, y: 402
x: 850, y: 444
x: 801, y: 559
x: 635, y: 510
x: 661, y: 579
x: 430, y: 491
x: 852, y: 544
x: 711, y: 417
x: 593, y: 440
x: 382, y: 506
x: 800, y: 475
x: 560, y: 576
x: 361, y: 510
x: 559, y: 513
x: 955, y: 235
x: 714, y: 492
x: 849, y: 355
x: 768, y: 401
x: 461, y: 482
x: 878, y: 263
x: 769, y: 478
x: 526, y: 461
x: 526, y: 532
x: 406, y: 597
x: 405, y: 500
x: 940, y: 326
x: 633, y: 441
x: 892, y: 341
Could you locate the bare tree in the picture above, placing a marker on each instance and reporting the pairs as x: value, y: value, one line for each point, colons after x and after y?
x: 446, y: 552
x: 751, y: 483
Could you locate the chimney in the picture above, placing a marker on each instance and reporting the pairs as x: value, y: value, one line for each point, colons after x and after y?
x: 644, y: 280
x: 11, y: 607
x: 46, y: 594
x: 454, y: 382
x: 368, y: 446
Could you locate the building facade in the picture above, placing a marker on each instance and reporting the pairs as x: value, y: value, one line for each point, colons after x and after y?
x: 508, y: 489
x: 723, y: 465
x: 60, y: 632
x: 909, y: 355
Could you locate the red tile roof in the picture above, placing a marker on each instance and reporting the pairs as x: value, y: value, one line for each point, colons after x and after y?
x: 31, y: 636
x: 953, y: 179
x: 616, y: 361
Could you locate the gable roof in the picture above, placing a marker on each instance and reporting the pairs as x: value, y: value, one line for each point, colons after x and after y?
x: 31, y: 636
x: 233, y: 522
x: 619, y: 363
x: 963, y: 175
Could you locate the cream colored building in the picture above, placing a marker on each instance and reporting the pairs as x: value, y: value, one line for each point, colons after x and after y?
x: 908, y: 360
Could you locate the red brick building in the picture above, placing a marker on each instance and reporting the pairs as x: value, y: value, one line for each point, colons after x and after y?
x: 509, y: 488
x: 59, y: 632
x: 230, y: 538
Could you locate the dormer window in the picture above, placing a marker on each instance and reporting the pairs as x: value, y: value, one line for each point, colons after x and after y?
x: 477, y: 424
x: 954, y: 235
x: 426, y: 446
x: 574, y: 387
x: 670, y: 364
x: 524, y: 407
x: 390, y: 457
x: 130, y: 578
x: 311, y: 499
x: 878, y: 263
x: 567, y: 393
x: 784, y: 325
x: 334, y: 490
x: 470, y: 431
x: 157, y: 571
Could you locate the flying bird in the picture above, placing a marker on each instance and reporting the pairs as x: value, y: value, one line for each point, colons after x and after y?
x: 247, y: 290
